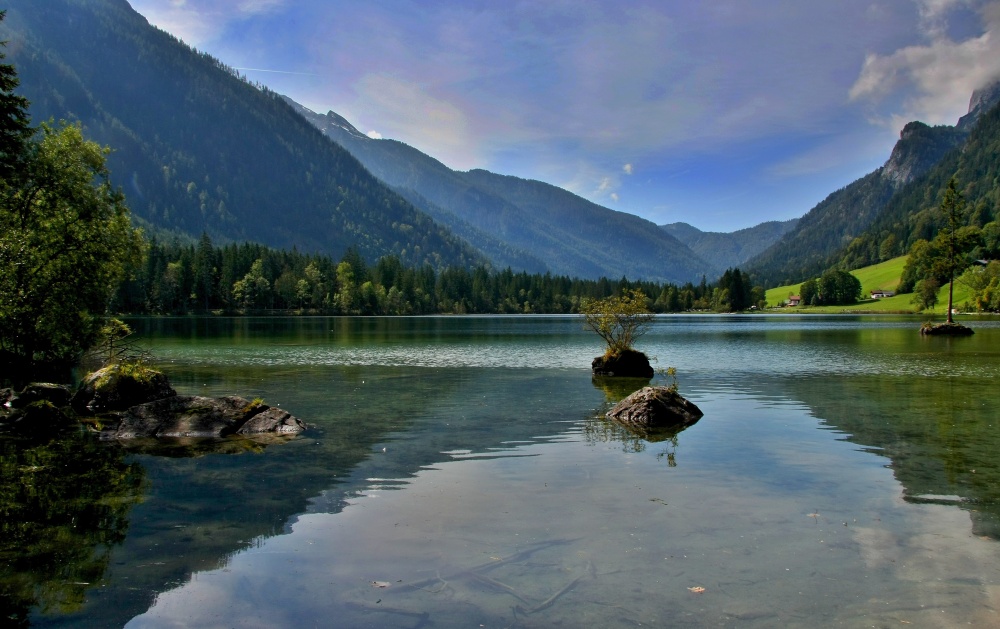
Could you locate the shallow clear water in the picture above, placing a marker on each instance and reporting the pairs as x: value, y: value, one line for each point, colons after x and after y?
x: 458, y: 472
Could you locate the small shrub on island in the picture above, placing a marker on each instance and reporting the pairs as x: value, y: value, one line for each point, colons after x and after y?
x: 620, y: 321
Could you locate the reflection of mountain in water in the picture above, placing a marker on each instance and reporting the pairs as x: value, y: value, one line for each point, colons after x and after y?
x: 941, y: 434
x: 371, y: 428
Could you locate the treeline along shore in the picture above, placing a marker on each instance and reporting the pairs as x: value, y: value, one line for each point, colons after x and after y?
x: 178, y: 278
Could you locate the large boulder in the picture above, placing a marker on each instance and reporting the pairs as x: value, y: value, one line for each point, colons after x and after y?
x: 39, y: 410
x: 57, y: 394
x: 120, y: 386
x: 195, y: 416
x: 628, y: 364
x: 655, y: 407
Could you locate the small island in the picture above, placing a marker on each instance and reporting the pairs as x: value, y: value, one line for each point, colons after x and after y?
x: 620, y: 321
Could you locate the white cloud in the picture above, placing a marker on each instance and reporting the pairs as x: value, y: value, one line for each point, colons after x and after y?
x: 935, y: 79
x: 375, y: 135
x: 627, y: 169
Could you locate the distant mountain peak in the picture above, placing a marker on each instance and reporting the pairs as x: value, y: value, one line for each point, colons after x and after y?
x: 326, y: 121
x: 982, y: 101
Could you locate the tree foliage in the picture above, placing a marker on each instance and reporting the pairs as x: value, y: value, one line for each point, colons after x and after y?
x: 65, y: 241
x: 619, y: 320
x: 15, y: 127
x: 984, y: 281
x: 178, y: 277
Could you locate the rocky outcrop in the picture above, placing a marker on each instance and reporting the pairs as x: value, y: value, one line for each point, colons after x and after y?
x: 40, y: 409
x: 919, y: 148
x: 119, y: 387
x: 982, y: 101
x: 56, y: 394
x: 129, y: 402
x: 655, y: 407
x: 195, y: 416
x: 628, y: 364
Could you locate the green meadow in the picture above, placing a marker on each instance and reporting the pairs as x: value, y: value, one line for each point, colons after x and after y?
x: 882, y: 276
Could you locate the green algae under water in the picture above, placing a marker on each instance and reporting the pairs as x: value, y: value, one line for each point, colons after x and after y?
x: 457, y: 472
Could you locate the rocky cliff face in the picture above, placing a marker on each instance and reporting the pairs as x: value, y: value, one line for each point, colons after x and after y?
x: 921, y: 146
x: 918, y: 149
x: 982, y: 101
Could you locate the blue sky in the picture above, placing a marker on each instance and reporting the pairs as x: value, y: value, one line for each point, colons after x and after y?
x: 721, y: 114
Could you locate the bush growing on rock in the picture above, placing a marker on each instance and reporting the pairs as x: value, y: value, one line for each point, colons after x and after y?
x: 620, y: 321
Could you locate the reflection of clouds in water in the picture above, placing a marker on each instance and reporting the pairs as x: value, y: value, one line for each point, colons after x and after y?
x: 623, y: 537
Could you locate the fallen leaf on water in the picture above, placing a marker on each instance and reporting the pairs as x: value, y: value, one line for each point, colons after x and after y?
x: 380, y: 584
x: 697, y: 589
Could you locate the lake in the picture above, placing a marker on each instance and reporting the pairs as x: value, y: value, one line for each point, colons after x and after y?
x: 457, y: 472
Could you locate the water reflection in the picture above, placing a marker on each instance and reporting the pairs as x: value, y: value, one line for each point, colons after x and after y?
x: 65, y: 506
x: 441, y: 447
x: 941, y: 435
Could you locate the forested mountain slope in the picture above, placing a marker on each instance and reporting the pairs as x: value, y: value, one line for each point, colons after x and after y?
x: 734, y: 249
x: 523, y: 221
x: 196, y: 148
x: 829, y: 227
x: 912, y: 214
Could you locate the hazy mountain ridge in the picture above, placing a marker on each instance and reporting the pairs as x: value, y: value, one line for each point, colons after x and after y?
x: 730, y: 249
x: 198, y: 149
x: 827, y: 230
x: 533, y: 220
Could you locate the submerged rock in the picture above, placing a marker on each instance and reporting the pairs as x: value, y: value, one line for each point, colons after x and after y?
x: 196, y: 416
x: 628, y: 364
x: 655, y: 407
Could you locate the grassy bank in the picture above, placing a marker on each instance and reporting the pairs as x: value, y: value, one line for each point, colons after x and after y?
x: 882, y: 276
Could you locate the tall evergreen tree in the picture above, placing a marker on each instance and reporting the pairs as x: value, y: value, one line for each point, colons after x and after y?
x: 15, y: 126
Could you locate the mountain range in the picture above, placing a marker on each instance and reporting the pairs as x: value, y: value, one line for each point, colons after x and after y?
x: 199, y: 149
x: 730, y: 249
x: 519, y: 222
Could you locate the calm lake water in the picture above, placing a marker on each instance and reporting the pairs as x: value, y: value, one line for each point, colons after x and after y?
x: 457, y: 472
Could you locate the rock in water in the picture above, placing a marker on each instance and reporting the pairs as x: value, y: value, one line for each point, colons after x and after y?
x: 195, y: 416
x: 118, y: 387
x: 628, y: 364
x: 945, y: 329
x: 655, y: 407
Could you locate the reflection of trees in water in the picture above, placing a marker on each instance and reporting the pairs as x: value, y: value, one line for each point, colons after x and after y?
x: 941, y: 434
x: 63, y: 505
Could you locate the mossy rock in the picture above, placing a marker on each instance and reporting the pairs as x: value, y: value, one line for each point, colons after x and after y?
x: 626, y: 364
x: 40, y: 419
x: 945, y: 329
x: 119, y: 387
